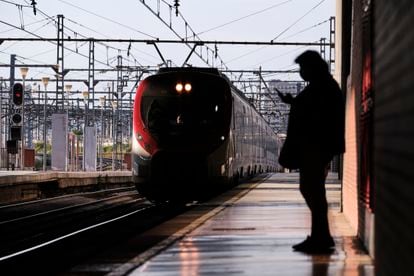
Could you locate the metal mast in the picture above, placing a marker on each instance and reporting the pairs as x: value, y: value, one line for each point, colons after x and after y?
x: 59, y: 69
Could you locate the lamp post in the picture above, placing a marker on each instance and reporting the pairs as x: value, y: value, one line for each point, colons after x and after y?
x: 68, y: 88
x: 102, y: 104
x: 23, y: 72
x: 114, y: 122
x: 85, y: 95
x: 30, y: 121
x: 45, y: 81
x: 34, y: 90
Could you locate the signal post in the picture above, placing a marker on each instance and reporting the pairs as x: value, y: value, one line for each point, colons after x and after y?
x: 16, y: 122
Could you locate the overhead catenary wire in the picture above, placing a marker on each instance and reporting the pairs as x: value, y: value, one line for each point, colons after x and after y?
x: 76, y: 28
x: 285, y: 30
x: 90, y: 29
x: 114, y: 47
x: 27, y: 25
x: 175, y: 41
x: 107, y: 19
x: 52, y: 19
x: 243, y: 17
x: 15, y: 4
x: 298, y: 20
x: 47, y: 17
x: 41, y: 38
x: 278, y: 56
x: 99, y: 43
x: 184, y: 37
x: 296, y: 49
x: 307, y: 29
x: 41, y: 27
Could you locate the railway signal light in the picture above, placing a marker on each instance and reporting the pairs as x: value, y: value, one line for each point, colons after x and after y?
x: 16, y: 118
x: 18, y: 94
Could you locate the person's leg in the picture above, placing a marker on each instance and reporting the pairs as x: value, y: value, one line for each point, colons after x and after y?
x: 305, y: 189
x: 319, y: 205
x: 312, y: 188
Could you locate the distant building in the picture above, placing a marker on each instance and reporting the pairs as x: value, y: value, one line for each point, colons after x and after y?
x: 277, y: 115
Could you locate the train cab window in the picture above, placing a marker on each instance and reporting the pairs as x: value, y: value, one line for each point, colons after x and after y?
x: 182, y: 119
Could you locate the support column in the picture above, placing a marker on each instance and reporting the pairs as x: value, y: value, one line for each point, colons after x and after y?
x: 60, y: 133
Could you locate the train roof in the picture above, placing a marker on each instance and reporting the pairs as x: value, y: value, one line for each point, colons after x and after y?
x: 209, y: 70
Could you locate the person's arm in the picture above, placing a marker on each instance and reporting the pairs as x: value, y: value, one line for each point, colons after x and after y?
x: 285, y: 97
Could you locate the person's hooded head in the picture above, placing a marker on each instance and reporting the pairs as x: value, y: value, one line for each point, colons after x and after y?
x: 312, y: 66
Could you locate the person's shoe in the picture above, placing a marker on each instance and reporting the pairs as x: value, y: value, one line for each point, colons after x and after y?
x: 325, y: 242
x: 302, y: 244
x: 315, y: 246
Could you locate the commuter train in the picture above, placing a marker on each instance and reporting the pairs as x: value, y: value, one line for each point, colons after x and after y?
x: 195, y: 134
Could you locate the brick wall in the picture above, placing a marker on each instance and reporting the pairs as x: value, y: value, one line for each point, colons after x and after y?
x: 394, y: 137
x: 358, y: 193
x: 353, y: 87
x: 349, y: 190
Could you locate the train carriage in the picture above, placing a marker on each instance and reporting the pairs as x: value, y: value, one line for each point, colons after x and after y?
x: 194, y: 133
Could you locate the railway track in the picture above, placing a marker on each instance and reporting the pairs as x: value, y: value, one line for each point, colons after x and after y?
x: 48, y: 236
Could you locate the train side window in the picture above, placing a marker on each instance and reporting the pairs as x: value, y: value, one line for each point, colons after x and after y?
x: 234, y: 114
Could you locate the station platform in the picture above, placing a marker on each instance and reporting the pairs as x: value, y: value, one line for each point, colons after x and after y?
x: 23, y: 185
x: 252, y: 233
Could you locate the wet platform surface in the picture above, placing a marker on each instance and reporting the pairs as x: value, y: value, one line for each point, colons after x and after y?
x: 253, y: 234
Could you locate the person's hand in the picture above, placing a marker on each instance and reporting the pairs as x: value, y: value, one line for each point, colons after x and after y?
x: 286, y: 98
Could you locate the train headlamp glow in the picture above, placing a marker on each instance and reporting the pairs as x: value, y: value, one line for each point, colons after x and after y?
x: 179, y: 87
x: 188, y: 87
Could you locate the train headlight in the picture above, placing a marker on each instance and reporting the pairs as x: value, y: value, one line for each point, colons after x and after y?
x: 179, y: 87
x: 188, y: 87
x: 137, y: 148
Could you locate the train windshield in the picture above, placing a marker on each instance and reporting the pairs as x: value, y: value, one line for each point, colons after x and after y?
x: 187, y: 109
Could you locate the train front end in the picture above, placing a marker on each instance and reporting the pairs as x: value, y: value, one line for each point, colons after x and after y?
x: 181, y: 120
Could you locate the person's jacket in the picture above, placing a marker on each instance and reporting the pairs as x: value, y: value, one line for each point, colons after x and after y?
x: 317, y: 120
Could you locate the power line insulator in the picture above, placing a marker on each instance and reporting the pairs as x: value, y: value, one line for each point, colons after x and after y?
x: 33, y: 3
x: 176, y: 5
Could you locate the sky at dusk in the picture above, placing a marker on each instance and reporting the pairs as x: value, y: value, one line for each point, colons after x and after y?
x: 226, y: 20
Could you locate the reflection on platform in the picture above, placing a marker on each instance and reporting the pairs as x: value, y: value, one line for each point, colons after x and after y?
x: 254, y: 235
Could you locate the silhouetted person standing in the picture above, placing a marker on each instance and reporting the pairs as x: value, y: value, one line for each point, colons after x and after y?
x: 315, y: 134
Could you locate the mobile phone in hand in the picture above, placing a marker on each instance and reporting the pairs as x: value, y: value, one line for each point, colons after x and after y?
x: 280, y: 93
